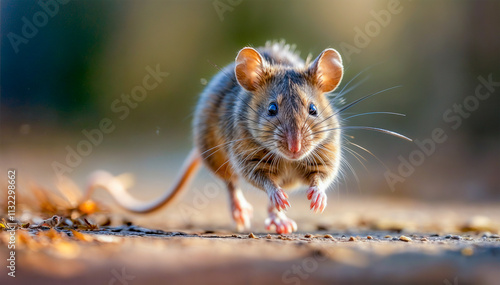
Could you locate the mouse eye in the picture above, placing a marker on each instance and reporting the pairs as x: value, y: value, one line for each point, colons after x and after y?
x: 312, y: 110
x: 272, y: 110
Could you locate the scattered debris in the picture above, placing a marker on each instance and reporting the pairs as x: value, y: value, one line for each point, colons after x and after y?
x: 468, y: 251
x: 321, y: 228
x: 405, y: 238
x: 479, y: 224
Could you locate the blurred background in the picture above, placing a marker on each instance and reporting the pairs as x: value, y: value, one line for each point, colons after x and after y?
x: 65, y: 68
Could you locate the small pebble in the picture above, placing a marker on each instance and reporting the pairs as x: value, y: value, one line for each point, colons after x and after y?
x: 321, y: 228
x: 495, y: 236
x: 352, y: 239
x: 486, y: 234
x: 395, y: 238
x: 308, y: 236
x: 328, y: 236
x: 388, y: 236
x: 448, y: 236
x: 424, y: 239
x: 405, y: 238
x: 456, y: 237
x: 251, y: 235
x: 234, y: 236
x: 268, y: 236
x: 468, y: 251
x: 369, y: 237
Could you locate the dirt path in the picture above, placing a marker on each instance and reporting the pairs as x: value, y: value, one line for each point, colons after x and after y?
x: 401, y: 244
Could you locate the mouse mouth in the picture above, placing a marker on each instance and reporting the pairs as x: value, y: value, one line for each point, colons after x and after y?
x: 293, y: 155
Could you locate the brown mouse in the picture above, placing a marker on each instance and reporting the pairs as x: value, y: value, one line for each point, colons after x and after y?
x: 266, y: 119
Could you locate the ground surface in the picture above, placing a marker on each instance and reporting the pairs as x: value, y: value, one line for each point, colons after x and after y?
x: 355, y: 241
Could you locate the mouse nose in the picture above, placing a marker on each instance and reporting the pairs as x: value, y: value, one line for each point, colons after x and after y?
x: 294, y: 142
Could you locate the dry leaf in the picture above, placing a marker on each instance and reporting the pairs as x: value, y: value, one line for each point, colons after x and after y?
x: 82, y: 237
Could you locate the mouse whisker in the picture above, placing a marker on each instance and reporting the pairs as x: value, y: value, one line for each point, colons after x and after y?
x: 265, y: 125
x: 274, y: 158
x: 251, y: 153
x: 218, y: 146
x: 349, y: 166
x: 373, y: 113
x: 330, y: 160
x: 364, y: 98
x: 354, y: 103
x: 268, y: 132
x: 392, y: 133
x: 343, y: 93
x: 357, y: 156
x: 240, y: 163
x: 369, y: 152
x: 264, y: 157
x: 352, y: 79
x: 216, y: 171
x: 316, y: 155
x: 258, y: 114
x: 368, y: 113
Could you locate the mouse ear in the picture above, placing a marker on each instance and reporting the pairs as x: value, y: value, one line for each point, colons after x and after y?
x: 249, y: 68
x: 327, y: 70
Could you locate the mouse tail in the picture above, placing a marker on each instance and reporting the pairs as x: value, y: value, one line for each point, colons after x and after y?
x: 117, y: 188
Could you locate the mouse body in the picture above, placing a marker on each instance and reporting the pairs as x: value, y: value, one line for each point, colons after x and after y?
x: 265, y: 119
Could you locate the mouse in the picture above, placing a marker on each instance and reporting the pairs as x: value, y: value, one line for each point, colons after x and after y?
x: 265, y: 119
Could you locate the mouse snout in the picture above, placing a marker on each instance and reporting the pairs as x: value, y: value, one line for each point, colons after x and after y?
x: 293, y: 140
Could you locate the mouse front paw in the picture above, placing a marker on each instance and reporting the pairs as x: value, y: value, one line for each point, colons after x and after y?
x: 282, y: 223
x: 318, y: 199
x: 279, y: 199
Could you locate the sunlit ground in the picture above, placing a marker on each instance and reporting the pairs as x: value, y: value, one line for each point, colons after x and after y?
x: 359, y: 238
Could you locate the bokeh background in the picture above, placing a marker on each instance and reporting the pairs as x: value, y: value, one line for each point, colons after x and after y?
x: 65, y: 78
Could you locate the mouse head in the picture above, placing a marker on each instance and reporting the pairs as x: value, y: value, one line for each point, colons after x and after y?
x: 288, y: 112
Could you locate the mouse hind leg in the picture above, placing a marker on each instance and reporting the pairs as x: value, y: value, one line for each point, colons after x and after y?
x: 241, y: 210
x: 280, y: 221
x: 216, y: 160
